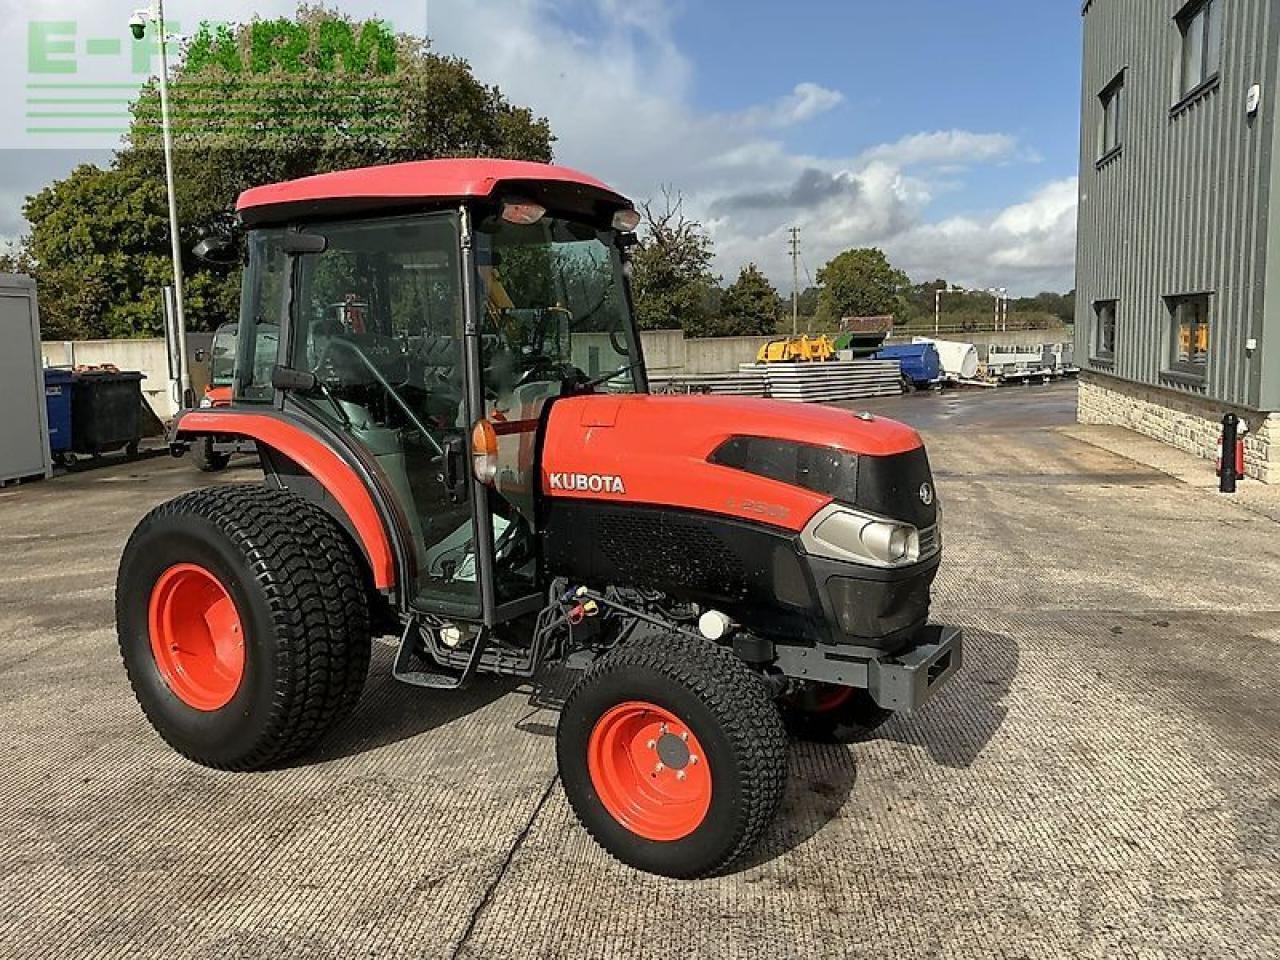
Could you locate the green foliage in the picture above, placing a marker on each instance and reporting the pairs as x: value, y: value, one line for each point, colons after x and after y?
x: 973, y: 311
x: 860, y: 283
x: 266, y: 101
x: 105, y: 231
x: 1061, y: 306
x: 749, y: 306
x: 672, y: 280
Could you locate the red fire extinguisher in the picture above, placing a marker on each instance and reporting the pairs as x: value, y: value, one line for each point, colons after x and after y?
x: 1230, y: 469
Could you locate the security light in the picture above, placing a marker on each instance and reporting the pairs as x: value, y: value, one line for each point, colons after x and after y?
x: 138, y: 24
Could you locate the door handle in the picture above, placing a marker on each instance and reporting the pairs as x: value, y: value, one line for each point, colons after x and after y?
x: 455, y: 469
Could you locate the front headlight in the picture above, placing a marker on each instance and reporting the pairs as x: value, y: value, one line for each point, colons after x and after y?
x: 842, y: 533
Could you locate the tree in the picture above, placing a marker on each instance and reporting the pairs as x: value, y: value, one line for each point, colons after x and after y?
x: 749, y: 306
x: 860, y: 283
x: 261, y: 102
x: 672, y: 279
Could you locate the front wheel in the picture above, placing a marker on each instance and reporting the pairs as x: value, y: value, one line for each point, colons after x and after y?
x: 672, y: 755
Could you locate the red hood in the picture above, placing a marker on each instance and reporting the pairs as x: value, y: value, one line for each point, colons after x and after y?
x: 697, y: 419
x: 655, y: 449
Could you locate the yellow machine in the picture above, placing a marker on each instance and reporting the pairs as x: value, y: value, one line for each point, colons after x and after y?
x: 792, y: 349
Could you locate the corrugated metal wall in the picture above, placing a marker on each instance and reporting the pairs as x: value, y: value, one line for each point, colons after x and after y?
x: 1184, y: 206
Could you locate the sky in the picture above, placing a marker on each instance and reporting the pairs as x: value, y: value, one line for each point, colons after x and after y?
x: 945, y: 133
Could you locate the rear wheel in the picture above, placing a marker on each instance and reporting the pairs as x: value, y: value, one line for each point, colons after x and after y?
x: 243, y: 622
x: 826, y: 713
x: 672, y: 755
x: 206, y: 458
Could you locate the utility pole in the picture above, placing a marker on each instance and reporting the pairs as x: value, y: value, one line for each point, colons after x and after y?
x: 155, y: 15
x: 795, y: 279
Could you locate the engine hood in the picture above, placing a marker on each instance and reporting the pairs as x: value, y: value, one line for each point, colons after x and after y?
x: 644, y: 449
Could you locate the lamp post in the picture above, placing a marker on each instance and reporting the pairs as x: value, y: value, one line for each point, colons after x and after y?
x: 138, y: 26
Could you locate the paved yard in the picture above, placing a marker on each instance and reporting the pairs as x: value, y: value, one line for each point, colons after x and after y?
x: 1101, y: 781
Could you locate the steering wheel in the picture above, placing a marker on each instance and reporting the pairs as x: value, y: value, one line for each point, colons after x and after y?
x: 558, y: 370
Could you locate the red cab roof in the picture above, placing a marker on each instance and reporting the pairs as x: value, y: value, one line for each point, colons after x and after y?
x: 421, y: 180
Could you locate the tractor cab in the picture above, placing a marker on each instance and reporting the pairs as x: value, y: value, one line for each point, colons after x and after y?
x: 423, y: 335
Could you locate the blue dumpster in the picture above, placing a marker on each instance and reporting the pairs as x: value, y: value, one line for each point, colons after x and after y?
x: 57, y: 400
x: 919, y: 361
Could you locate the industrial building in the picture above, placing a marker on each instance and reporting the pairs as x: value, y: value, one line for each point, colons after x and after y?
x: 1178, y: 261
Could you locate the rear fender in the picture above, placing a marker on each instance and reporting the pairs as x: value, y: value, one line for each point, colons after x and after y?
x: 339, y: 480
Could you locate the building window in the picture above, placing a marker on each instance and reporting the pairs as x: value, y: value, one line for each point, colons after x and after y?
x: 1201, y: 26
x: 1104, y: 330
x: 1111, y: 99
x: 1189, y: 340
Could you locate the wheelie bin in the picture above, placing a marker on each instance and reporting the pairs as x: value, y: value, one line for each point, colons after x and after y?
x: 106, y: 412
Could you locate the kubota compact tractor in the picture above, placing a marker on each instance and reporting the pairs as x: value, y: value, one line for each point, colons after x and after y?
x: 459, y: 448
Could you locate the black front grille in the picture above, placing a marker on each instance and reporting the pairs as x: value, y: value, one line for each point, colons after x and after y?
x: 677, y: 549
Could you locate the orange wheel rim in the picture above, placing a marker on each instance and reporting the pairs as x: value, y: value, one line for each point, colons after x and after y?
x: 649, y: 771
x: 196, y: 636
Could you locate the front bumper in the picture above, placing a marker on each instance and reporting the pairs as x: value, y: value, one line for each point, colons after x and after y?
x: 903, y: 681
x: 909, y: 679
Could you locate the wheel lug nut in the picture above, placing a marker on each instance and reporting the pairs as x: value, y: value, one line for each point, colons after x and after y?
x: 652, y: 744
x: 684, y: 735
x: 660, y: 767
x: 680, y: 774
x: 692, y: 759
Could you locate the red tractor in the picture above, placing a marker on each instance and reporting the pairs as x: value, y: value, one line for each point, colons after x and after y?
x: 460, y: 449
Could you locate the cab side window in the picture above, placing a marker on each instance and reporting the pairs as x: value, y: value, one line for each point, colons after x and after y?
x: 261, y: 305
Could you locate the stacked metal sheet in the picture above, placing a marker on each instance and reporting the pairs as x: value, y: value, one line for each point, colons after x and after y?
x: 831, y: 381
x: 815, y: 382
x: 751, y: 384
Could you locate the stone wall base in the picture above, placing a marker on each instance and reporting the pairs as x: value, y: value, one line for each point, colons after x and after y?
x: 1188, y: 423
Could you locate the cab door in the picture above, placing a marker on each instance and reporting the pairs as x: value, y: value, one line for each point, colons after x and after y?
x: 377, y: 319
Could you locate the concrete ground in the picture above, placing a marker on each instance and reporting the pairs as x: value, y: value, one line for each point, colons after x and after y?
x: 1100, y: 781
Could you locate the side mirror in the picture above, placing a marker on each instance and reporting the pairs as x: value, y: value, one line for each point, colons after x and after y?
x: 219, y: 240
x: 218, y: 250
x: 286, y: 378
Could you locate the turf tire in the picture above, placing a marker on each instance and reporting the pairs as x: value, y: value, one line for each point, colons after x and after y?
x: 302, y: 596
x: 728, y: 709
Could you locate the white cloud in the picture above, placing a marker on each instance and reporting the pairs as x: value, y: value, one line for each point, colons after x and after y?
x: 620, y: 103
x: 949, y: 148
x: 1027, y: 247
x: 805, y: 102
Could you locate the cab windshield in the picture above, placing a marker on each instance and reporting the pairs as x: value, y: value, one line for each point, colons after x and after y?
x: 555, y: 315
